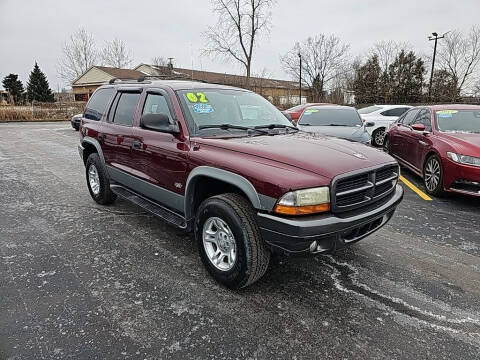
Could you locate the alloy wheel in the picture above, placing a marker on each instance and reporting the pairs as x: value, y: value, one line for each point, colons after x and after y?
x: 432, y: 174
x: 93, y: 179
x: 379, y: 137
x: 219, y: 243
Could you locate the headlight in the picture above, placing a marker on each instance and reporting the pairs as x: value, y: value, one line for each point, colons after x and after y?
x: 303, y: 202
x: 464, y: 159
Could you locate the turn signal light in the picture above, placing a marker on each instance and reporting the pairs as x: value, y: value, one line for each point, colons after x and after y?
x: 301, y: 210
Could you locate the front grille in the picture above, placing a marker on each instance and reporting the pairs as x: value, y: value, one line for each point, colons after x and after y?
x: 353, y: 191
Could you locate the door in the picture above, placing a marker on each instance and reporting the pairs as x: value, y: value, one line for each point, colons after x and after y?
x: 161, y: 158
x: 419, y: 141
x: 398, y: 139
x: 118, y: 131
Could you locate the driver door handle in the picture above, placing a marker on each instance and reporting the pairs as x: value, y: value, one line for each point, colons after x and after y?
x: 422, y: 142
x: 137, y: 145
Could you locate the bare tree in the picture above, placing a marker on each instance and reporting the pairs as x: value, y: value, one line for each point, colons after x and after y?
x: 324, y: 58
x: 116, y: 54
x: 239, y: 24
x: 159, y: 61
x: 460, y: 56
x: 387, y: 51
x: 79, y: 54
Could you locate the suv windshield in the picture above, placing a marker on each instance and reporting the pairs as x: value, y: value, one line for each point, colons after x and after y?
x: 458, y: 121
x: 237, y: 108
x: 369, y: 109
x: 330, y: 117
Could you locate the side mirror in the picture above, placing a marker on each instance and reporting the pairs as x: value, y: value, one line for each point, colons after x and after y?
x: 158, y: 122
x: 369, y: 124
x: 418, y: 127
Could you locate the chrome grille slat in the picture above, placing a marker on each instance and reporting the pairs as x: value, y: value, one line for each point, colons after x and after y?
x: 355, y: 190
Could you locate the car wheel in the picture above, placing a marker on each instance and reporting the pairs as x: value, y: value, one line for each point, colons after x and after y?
x: 76, y: 127
x: 433, y: 176
x: 229, y: 241
x: 378, y: 137
x: 97, y: 181
x: 386, y: 145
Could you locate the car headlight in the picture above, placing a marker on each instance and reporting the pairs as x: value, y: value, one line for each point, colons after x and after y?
x: 464, y: 159
x: 303, y: 202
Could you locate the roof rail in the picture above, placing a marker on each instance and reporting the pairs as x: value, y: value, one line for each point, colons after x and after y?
x: 126, y: 81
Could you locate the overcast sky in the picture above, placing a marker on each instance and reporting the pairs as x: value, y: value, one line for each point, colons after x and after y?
x: 33, y: 30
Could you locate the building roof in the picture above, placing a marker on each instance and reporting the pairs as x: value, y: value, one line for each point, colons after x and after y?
x: 126, y: 74
x: 96, y: 75
x: 220, y: 78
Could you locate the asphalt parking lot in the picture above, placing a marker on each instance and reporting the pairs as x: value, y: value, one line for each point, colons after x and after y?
x: 84, y: 281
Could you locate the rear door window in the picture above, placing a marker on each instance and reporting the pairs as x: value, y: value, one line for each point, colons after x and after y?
x: 394, y: 112
x: 126, y: 108
x: 98, y: 103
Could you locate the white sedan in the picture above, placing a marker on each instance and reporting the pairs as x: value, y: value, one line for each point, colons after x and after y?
x: 382, y: 116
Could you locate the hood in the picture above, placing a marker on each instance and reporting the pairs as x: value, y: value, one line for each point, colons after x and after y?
x: 463, y: 143
x: 354, y: 133
x: 323, y: 155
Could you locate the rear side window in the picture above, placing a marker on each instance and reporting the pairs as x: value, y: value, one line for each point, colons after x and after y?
x: 97, y: 104
x: 394, y: 112
x: 126, y: 107
x: 156, y: 104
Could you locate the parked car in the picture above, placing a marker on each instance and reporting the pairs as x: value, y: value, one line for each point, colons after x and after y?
x: 383, y: 116
x: 296, y: 111
x: 441, y: 144
x: 75, y: 121
x: 226, y: 164
x: 334, y: 120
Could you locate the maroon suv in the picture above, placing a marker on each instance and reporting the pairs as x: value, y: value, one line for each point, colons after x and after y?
x: 225, y: 163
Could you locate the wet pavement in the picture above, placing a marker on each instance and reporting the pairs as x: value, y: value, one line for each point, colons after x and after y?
x: 79, y: 280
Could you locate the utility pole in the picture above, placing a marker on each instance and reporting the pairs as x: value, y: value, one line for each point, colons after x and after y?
x: 435, y: 37
x: 300, y: 79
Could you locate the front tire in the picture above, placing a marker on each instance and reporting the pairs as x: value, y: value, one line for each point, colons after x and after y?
x: 97, y: 181
x: 378, y: 137
x: 433, y: 176
x: 386, y: 145
x: 229, y: 241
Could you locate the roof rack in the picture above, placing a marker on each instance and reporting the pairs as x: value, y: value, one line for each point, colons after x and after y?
x: 148, y: 77
x: 126, y: 81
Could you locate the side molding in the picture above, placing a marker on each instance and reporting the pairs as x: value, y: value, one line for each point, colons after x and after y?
x: 259, y: 201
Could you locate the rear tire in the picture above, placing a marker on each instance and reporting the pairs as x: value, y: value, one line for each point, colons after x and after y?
x: 97, y: 181
x: 236, y: 231
x: 378, y: 137
x: 433, y: 176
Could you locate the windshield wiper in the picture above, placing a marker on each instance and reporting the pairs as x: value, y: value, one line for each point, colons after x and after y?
x: 275, y: 126
x: 231, y: 126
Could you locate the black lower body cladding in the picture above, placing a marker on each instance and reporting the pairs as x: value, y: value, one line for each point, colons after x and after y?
x: 327, y: 232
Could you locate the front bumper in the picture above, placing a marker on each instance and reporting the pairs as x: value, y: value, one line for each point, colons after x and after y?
x: 80, y: 152
x: 461, y: 178
x: 75, y: 122
x: 326, y: 233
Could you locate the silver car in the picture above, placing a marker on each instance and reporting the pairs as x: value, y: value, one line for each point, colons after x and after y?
x: 339, y: 121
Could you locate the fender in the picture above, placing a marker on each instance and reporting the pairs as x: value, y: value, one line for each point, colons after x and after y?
x: 94, y: 142
x: 259, y: 201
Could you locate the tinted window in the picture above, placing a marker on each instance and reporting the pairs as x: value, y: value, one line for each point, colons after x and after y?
x: 156, y: 104
x: 369, y: 109
x: 97, y: 104
x: 394, y: 112
x: 330, y: 117
x: 424, y: 118
x: 409, y: 117
x: 125, y: 111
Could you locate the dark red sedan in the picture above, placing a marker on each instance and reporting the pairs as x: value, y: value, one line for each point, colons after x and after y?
x: 440, y: 143
x: 297, y: 111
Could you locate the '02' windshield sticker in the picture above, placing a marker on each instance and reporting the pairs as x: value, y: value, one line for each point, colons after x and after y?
x: 201, y: 108
x: 309, y: 111
x: 446, y: 113
x: 198, y: 97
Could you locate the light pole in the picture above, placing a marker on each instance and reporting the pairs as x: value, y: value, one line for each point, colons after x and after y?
x: 435, y: 37
x: 300, y: 79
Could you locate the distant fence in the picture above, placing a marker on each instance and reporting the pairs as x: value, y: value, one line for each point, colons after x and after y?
x: 38, y: 111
